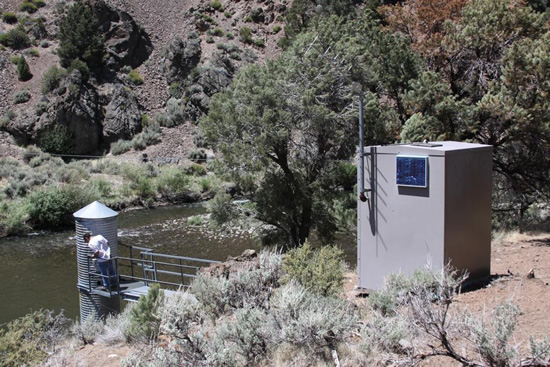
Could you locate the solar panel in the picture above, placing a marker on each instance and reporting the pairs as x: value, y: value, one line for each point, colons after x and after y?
x: 411, y: 171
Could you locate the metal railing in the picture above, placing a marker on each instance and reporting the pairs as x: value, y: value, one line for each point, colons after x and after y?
x: 152, y: 267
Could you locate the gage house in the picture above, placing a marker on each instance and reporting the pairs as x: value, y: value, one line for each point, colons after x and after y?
x: 427, y: 204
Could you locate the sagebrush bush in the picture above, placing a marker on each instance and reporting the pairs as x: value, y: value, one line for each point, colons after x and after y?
x: 309, y: 320
x: 178, y: 313
x: 249, y: 286
x: 28, y: 339
x: 21, y: 96
x: 86, y: 332
x: 51, y: 79
x: 121, y: 146
x: 321, y: 271
x: 145, y: 138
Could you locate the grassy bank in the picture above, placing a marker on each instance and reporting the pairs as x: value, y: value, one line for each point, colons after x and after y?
x: 41, y: 191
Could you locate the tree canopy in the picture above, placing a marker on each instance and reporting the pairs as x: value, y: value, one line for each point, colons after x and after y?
x: 469, y: 71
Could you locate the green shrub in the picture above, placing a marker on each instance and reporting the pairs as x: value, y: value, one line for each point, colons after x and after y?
x: 80, y: 37
x: 51, y: 79
x: 39, y: 3
x: 209, y: 39
x: 28, y: 6
x: 221, y: 208
x: 245, y: 35
x: 205, y: 184
x: 26, y: 340
x: 321, y: 271
x: 144, y: 324
x: 9, y: 17
x: 81, y: 66
x: 54, y: 207
x: 276, y: 29
x: 227, y: 14
x: 259, y: 42
x: 135, y: 78
x: 173, y: 181
x: 33, y: 52
x: 57, y: 140
x: 195, y: 220
x: 23, y: 70
x: 197, y: 155
x: 16, y: 38
x: 207, y: 18
x: 22, y: 96
x: 40, y: 108
x: 147, y: 137
x: 217, y: 32
x: 229, y: 35
x: 196, y: 170
x: 175, y: 90
x: 44, y: 44
x: 216, y: 5
x: 15, y: 59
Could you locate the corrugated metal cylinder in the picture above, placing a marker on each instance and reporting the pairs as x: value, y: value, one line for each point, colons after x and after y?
x: 95, y: 218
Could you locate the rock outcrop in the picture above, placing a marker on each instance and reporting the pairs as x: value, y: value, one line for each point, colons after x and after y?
x: 122, y: 115
x: 75, y: 106
x: 180, y: 58
x: 125, y: 42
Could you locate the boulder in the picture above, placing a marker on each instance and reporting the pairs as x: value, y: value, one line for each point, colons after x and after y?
x: 122, y: 115
x: 125, y: 42
x: 180, y: 58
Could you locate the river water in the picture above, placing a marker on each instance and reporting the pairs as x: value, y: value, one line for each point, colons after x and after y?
x: 39, y: 270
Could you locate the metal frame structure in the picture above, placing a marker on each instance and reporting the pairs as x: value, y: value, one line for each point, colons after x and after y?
x: 153, y: 266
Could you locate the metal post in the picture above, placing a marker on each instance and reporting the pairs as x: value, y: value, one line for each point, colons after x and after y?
x: 362, y: 196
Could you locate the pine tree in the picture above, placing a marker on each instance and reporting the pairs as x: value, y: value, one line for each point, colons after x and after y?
x: 23, y: 70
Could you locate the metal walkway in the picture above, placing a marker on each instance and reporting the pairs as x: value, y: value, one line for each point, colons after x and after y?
x: 142, y: 268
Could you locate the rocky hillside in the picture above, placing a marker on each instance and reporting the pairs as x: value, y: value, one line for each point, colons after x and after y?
x: 165, y: 59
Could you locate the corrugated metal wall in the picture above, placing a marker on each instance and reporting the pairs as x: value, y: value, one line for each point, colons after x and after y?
x: 94, y: 305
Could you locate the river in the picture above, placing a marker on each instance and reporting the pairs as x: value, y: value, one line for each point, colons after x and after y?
x: 39, y: 270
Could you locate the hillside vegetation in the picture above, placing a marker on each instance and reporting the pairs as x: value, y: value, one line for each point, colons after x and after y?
x: 270, y: 83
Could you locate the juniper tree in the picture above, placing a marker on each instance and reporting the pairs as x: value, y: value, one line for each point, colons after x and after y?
x: 23, y: 70
x: 81, y: 37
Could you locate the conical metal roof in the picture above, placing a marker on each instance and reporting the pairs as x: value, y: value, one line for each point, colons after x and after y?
x: 95, y: 210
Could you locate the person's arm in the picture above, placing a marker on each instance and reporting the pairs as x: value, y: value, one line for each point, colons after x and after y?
x: 95, y: 255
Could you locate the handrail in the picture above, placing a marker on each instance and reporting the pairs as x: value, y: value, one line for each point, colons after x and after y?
x: 151, y: 268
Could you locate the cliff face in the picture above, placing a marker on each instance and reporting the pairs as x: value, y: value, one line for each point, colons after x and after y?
x: 183, y: 51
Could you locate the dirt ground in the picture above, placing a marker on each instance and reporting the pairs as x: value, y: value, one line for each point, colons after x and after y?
x: 513, y: 258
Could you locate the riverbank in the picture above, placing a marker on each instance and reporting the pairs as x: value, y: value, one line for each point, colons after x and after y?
x: 40, y: 191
